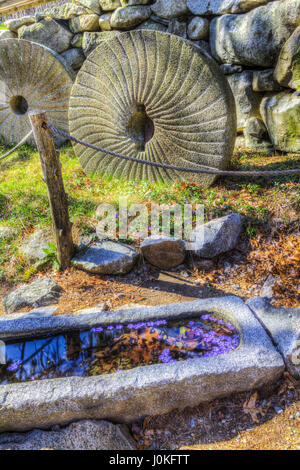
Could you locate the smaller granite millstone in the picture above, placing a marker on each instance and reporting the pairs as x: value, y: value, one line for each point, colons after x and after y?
x: 164, y: 252
x: 107, y: 257
x: 219, y: 236
x: 82, y: 435
x: 42, y: 292
x: 283, y: 325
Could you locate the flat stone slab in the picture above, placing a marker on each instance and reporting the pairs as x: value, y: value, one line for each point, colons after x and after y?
x: 161, y: 99
x: 83, y: 435
x: 42, y: 292
x: 107, y: 258
x: 44, y: 80
x: 148, y: 390
x: 283, y: 324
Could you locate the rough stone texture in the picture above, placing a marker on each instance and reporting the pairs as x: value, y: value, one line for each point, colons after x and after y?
x: 49, y: 33
x: 283, y: 324
x: 109, y: 5
x: 66, y: 11
x: 256, y: 137
x: 287, y: 71
x: 33, y: 246
x: 178, y: 28
x: 229, y: 69
x: 42, y: 292
x: 182, y: 87
x: 219, y: 236
x: 104, y: 22
x: 152, y: 25
x: 84, y: 23
x: 93, y: 5
x: 198, y: 28
x: 74, y: 58
x: 7, y: 232
x: 15, y: 24
x: 82, y: 435
x: 170, y: 8
x: 263, y: 80
x: 107, y: 258
x: 149, y: 390
x: 129, y: 17
x: 23, y: 66
x: 254, y: 38
x: 247, y: 101
x: 7, y: 35
x: 91, y: 40
x: 203, y: 45
x: 281, y: 115
x: 164, y: 252
x: 130, y: 3
x: 267, y: 288
x: 222, y: 7
x: 77, y: 40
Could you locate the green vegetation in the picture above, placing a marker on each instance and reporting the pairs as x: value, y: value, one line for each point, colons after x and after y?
x: 24, y: 203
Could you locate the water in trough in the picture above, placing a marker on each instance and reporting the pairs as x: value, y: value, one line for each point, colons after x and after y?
x: 113, y: 348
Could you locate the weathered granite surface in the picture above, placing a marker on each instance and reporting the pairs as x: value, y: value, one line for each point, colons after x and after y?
x: 33, y: 246
x: 82, y: 435
x: 222, y: 7
x: 287, y: 71
x: 164, y: 252
x: 39, y: 72
x: 149, y: 390
x: 42, y: 292
x: 170, y: 8
x: 106, y: 257
x: 283, y: 324
x: 49, y: 33
x: 182, y: 87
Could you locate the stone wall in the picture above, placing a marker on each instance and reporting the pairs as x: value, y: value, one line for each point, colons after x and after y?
x: 255, y: 42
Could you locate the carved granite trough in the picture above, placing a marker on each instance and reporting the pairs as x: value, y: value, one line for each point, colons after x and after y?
x: 147, y: 390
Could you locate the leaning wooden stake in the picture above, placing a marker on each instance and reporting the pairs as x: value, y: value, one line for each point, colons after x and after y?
x: 58, y: 199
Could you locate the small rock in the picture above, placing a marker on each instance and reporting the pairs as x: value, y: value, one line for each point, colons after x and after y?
x: 229, y: 69
x: 7, y: 232
x: 82, y: 435
x: 109, y: 5
x: 164, y: 252
x: 92, y: 5
x: 129, y: 17
x: 257, y: 137
x: 15, y: 24
x: 84, y: 23
x: 263, y: 80
x: 74, y: 58
x: 104, y: 22
x: 217, y: 236
x: 107, y: 257
x: 198, y: 28
x: 267, y: 288
x: 49, y: 33
x: 178, y: 28
x: 33, y: 246
x: 65, y: 12
x: 77, y: 40
x: 170, y: 8
x: 42, y: 292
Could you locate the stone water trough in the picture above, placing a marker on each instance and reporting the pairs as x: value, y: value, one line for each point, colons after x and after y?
x: 147, y: 390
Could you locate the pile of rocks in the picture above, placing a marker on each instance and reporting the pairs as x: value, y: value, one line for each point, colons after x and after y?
x: 256, y: 42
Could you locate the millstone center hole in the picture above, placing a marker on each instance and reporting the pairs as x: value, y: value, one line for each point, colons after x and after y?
x: 140, y: 127
x: 18, y: 105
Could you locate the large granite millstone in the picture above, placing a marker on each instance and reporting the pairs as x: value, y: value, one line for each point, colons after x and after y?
x: 156, y: 97
x: 32, y: 77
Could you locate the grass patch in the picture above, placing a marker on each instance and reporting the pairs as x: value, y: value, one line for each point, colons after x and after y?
x: 24, y: 203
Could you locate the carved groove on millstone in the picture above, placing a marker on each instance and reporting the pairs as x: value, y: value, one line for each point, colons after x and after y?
x: 32, y: 77
x: 156, y: 97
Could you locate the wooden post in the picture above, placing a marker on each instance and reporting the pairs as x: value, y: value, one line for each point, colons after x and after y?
x: 58, y: 199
